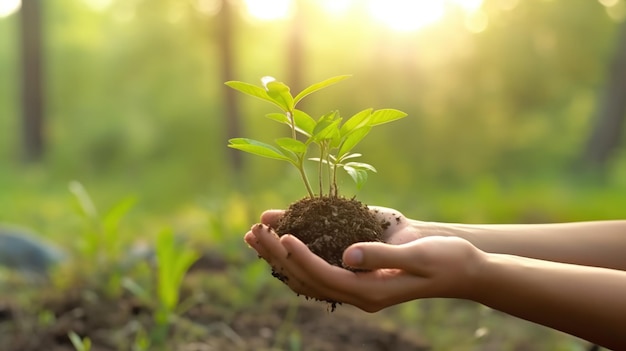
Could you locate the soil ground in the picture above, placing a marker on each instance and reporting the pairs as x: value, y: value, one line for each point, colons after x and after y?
x: 267, y: 323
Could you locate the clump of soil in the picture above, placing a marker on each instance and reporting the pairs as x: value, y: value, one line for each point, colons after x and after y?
x: 329, y: 224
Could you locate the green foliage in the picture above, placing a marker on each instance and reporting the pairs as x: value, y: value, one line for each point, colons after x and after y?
x: 79, y: 344
x: 334, y: 140
x: 101, y: 241
x: 173, y: 261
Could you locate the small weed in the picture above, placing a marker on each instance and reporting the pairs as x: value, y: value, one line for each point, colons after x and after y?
x: 173, y: 261
x: 101, y: 241
x: 80, y: 344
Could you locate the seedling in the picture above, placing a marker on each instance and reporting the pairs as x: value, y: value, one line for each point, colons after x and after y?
x: 325, y: 221
x: 333, y: 139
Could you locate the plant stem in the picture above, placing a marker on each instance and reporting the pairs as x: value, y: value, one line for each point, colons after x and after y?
x: 320, y: 168
x: 305, y: 179
x: 335, y: 180
x: 300, y: 167
x: 293, y: 124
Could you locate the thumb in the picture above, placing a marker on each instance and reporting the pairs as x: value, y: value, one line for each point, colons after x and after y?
x: 375, y: 255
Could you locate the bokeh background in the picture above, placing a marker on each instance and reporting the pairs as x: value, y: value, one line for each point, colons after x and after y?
x: 516, y: 109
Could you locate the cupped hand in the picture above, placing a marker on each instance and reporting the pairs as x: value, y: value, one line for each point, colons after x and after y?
x: 399, y: 230
x: 406, y: 266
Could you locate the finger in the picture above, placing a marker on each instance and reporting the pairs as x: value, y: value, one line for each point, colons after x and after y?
x: 271, y: 217
x: 392, y: 221
x: 253, y: 242
x: 385, y: 214
x: 268, y: 245
x: 370, y: 291
x: 374, y: 255
x: 327, y: 281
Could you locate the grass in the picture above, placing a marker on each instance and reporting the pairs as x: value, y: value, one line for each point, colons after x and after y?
x: 217, y: 221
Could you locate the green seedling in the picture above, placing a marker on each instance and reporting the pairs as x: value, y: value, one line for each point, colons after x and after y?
x: 173, y: 261
x: 80, y: 344
x: 335, y: 139
x: 101, y: 241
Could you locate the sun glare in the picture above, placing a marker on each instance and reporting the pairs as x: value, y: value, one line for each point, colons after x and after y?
x: 399, y: 15
x: 9, y: 7
x: 335, y: 7
x: 268, y: 10
x: 406, y: 15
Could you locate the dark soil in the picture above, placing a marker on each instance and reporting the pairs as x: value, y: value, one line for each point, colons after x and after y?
x: 328, y: 225
x: 113, y: 324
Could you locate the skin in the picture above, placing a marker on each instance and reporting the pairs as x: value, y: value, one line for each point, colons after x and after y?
x: 569, y: 276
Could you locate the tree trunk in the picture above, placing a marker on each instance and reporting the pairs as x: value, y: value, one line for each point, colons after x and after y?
x: 227, y: 58
x: 32, y: 81
x: 295, y: 49
x: 611, y: 112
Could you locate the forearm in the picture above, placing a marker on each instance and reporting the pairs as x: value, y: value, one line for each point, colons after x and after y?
x: 600, y: 243
x: 587, y: 302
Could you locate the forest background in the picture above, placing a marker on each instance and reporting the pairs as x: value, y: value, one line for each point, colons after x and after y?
x: 516, y: 108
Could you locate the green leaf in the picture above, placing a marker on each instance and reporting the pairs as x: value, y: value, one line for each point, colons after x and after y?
x: 173, y: 261
x: 352, y: 139
x: 278, y: 117
x: 258, y: 148
x: 293, y: 145
x: 385, y: 116
x: 318, y: 86
x: 251, y: 90
x: 358, y: 175
x: 349, y: 156
x: 279, y: 92
x: 326, y: 130
x: 361, y: 165
x: 358, y: 120
x: 358, y: 172
x: 304, y: 122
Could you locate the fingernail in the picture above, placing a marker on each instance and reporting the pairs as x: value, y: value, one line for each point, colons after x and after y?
x: 354, y: 257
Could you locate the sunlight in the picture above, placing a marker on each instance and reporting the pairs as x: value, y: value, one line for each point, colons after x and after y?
x: 399, y: 15
x: 267, y: 10
x: 468, y: 5
x: 335, y: 7
x: 9, y: 7
x: 98, y: 5
x: 406, y: 15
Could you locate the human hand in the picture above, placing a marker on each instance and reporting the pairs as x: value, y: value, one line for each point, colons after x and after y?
x: 406, y: 267
x: 399, y: 230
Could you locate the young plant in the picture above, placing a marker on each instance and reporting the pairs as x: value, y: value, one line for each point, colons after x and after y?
x: 101, y: 241
x: 326, y: 222
x: 334, y: 139
x: 80, y: 344
x: 173, y: 261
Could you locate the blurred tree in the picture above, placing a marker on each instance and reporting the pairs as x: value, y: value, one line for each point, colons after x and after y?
x: 227, y: 61
x: 296, y: 48
x: 611, y: 111
x: 32, y: 87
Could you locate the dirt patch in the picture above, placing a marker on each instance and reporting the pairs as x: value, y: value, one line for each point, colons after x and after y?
x: 113, y: 325
x: 328, y: 225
